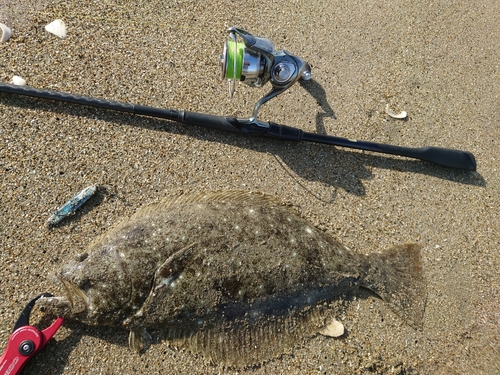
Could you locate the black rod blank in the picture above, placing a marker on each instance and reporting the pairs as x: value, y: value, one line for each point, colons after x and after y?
x: 437, y: 155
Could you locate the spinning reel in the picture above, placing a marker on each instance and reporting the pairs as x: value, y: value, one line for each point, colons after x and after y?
x: 255, y: 62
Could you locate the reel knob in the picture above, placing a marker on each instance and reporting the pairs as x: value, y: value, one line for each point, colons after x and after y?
x: 282, y: 72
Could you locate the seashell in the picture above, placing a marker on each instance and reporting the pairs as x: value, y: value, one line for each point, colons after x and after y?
x: 6, y: 33
x: 334, y: 329
x: 57, y: 27
x: 19, y: 81
x: 400, y: 115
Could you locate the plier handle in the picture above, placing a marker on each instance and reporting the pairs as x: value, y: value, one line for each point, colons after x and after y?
x: 25, y: 341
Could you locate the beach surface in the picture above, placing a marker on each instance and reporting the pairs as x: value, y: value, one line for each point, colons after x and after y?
x: 438, y: 61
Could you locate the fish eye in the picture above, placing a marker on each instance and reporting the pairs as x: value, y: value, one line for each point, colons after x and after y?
x: 84, y: 283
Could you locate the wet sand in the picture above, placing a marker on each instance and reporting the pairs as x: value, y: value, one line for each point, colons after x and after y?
x: 437, y: 61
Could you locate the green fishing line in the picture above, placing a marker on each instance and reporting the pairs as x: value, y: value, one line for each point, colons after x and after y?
x: 230, y: 59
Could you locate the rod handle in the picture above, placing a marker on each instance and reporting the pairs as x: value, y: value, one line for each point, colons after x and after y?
x: 447, y: 157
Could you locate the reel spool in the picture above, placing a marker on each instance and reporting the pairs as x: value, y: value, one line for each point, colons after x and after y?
x: 254, y: 62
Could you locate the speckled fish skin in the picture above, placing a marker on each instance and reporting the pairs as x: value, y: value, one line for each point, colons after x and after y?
x: 223, y: 272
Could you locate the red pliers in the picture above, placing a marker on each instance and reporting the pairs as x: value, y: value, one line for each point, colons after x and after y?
x: 26, y: 341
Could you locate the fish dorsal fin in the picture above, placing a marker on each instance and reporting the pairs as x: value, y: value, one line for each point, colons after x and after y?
x: 175, y: 200
x: 218, y: 196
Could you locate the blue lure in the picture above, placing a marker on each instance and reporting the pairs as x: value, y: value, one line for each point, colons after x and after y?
x: 72, y: 205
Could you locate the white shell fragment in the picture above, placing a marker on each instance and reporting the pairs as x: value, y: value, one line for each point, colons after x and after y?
x: 334, y: 329
x: 19, y: 81
x: 57, y: 27
x: 6, y: 33
x: 400, y: 115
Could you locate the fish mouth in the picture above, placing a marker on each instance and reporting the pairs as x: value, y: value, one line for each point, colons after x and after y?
x: 78, y: 299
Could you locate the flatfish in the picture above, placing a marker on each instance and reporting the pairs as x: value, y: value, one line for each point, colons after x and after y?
x: 233, y: 275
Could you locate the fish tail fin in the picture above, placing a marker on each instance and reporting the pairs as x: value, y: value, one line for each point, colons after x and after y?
x: 397, y: 277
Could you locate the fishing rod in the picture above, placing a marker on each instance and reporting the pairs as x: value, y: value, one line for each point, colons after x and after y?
x: 254, y: 62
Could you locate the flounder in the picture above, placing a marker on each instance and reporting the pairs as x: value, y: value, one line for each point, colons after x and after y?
x: 233, y: 275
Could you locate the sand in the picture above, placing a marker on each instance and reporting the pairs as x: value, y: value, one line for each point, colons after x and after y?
x: 436, y: 60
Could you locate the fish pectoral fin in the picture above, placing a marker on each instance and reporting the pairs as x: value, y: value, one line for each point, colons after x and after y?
x: 334, y: 329
x: 174, y: 265
x: 139, y: 340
